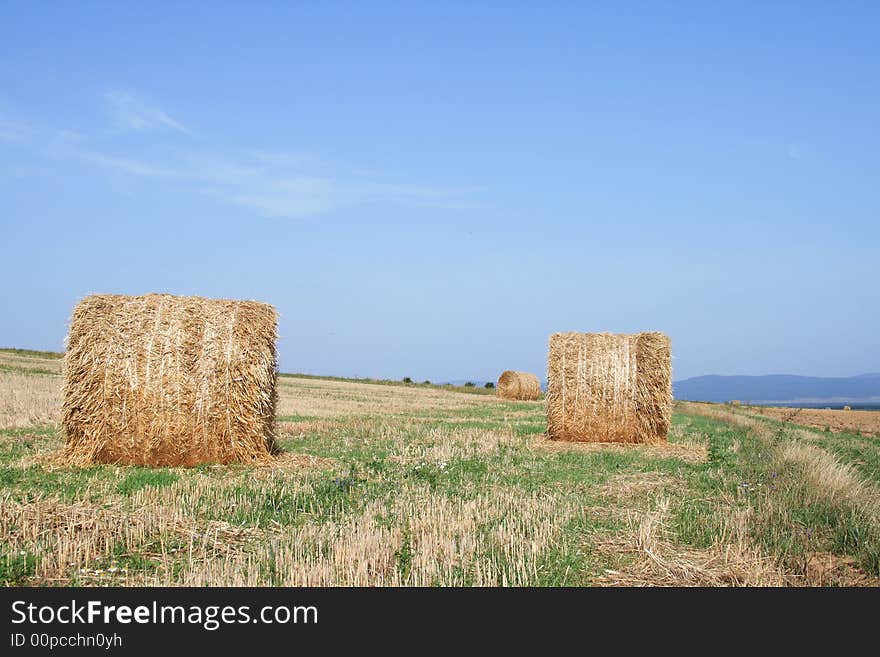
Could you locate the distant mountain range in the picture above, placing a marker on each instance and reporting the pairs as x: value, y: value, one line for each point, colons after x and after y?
x: 780, y: 388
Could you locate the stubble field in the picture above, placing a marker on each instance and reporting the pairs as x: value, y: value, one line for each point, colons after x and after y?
x: 414, y: 485
x: 836, y: 420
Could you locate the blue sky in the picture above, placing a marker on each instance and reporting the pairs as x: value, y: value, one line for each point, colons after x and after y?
x: 431, y: 189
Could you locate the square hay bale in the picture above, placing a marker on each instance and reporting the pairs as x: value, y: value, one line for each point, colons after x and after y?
x: 604, y: 387
x: 168, y: 380
x: 518, y: 385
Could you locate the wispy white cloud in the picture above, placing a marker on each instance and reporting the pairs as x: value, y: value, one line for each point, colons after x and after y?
x: 275, y: 187
x: 130, y: 166
x: 402, y: 193
x: 270, y: 184
x: 129, y: 112
x: 298, y: 196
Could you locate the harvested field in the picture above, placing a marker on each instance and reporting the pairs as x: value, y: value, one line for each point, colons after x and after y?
x: 324, y: 399
x: 29, y: 400
x: 408, y: 485
x: 866, y: 422
x: 24, y: 363
x: 690, y: 453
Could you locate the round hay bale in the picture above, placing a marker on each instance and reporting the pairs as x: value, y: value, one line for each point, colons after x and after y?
x: 604, y: 387
x: 167, y: 380
x: 518, y: 385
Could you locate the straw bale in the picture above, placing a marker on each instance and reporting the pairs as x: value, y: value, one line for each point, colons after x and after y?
x: 605, y: 387
x: 518, y: 385
x: 169, y: 380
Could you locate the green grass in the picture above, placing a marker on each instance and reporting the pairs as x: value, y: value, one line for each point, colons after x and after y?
x: 16, y: 566
x: 23, y: 483
x: 15, y: 369
x: 863, y: 452
x: 32, y: 353
x: 138, y: 478
x: 297, y: 418
x: 791, y: 519
x: 29, y: 431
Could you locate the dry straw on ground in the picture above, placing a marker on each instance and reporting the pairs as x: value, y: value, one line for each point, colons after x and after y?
x: 167, y: 380
x: 609, y: 388
x: 518, y: 385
